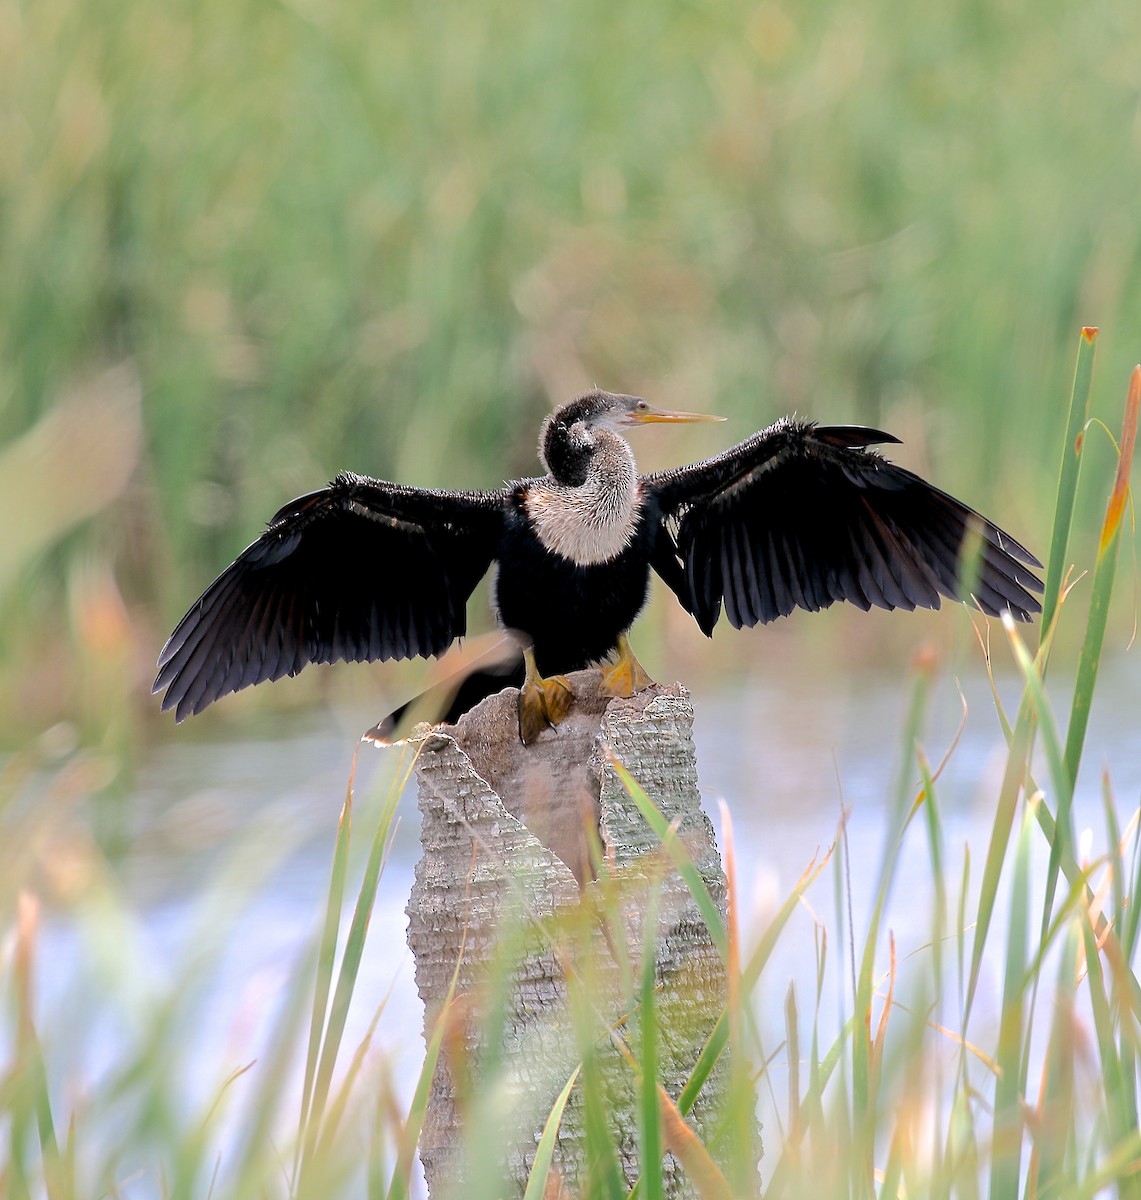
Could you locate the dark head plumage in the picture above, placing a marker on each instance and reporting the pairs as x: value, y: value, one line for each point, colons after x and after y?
x: 569, y: 435
x: 567, y: 439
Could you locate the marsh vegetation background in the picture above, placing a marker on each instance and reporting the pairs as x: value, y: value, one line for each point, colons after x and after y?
x: 325, y: 235
x: 246, y: 245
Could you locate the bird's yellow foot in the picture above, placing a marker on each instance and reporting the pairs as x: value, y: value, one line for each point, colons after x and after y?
x: 627, y: 675
x: 542, y: 702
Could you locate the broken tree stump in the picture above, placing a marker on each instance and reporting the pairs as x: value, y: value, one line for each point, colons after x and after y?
x: 536, y: 876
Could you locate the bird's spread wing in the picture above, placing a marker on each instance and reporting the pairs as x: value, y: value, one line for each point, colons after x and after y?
x: 799, y: 516
x: 361, y: 571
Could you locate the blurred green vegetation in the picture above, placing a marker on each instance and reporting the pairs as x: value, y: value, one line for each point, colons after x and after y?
x: 330, y: 234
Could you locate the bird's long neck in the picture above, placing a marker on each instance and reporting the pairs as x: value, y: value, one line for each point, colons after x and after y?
x: 586, y: 510
x: 567, y: 450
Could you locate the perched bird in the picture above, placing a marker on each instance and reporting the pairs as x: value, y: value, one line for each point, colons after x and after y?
x: 796, y: 516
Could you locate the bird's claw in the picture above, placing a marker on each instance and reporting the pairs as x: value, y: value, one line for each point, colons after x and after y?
x: 542, y: 703
x: 625, y: 678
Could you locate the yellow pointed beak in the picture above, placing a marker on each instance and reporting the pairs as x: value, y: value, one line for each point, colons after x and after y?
x: 649, y: 414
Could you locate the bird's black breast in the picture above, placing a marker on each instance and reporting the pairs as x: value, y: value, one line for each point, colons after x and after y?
x: 574, y: 614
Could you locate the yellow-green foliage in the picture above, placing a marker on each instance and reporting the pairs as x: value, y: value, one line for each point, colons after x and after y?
x: 330, y: 234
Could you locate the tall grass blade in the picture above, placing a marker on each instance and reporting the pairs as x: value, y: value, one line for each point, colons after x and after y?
x: 1031, y: 670
x: 326, y: 957
x: 1120, y: 1123
x: 1068, y: 474
x: 893, y: 1172
x: 603, y: 1172
x: 537, y: 1179
x: 758, y: 960
x: 1055, y: 1116
x: 1116, y: 846
x: 863, y: 1099
x: 1006, y: 1162
x: 335, y: 1110
x: 399, y: 1188
x: 961, y: 928
x: 795, y: 1134
x: 938, y: 928
x: 28, y: 1080
x: 696, y: 1161
x: 272, y: 1076
x: 191, y: 1153
x: 741, y: 1101
x: 1090, y: 657
x: 1022, y: 738
x: 350, y: 965
x: 1132, y: 921
x: 1122, y: 1165
x: 1126, y: 1010
x: 719, y: 1037
x: 649, y: 1119
x: 812, y: 1101
x: 674, y: 846
x: 1014, y: 779
x: 706, y: 1061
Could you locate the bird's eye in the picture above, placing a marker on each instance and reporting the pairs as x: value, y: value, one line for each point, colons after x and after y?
x: 641, y: 406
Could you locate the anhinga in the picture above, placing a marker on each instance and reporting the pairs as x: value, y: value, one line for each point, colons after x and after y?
x: 796, y: 516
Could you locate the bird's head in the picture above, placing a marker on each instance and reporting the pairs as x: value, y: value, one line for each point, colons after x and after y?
x: 570, y: 434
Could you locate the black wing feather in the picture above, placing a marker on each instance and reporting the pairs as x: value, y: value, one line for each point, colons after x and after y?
x: 361, y: 571
x: 800, y: 516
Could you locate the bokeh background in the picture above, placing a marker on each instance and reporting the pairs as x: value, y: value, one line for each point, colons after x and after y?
x: 245, y: 245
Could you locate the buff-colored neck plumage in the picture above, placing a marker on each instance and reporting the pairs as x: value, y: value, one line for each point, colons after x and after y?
x: 593, y: 521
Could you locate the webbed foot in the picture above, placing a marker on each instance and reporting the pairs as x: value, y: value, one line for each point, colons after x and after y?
x: 542, y: 702
x: 627, y: 675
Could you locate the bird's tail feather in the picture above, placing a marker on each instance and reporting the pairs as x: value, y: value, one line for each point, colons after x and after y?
x: 447, y: 700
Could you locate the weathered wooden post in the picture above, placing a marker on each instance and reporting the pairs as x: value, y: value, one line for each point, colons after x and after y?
x: 507, y: 839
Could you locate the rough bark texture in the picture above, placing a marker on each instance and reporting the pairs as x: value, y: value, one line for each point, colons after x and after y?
x: 507, y: 834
